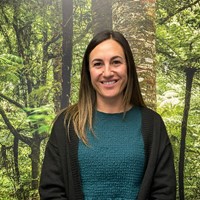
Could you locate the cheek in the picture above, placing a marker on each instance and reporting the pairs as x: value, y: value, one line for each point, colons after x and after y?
x: 93, y: 77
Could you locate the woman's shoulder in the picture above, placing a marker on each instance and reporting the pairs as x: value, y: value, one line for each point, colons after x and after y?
x: 60, y: 115
x: 63, y: 122
x: 63, y: 115
x: 151, y: 119
x: 149, y: 113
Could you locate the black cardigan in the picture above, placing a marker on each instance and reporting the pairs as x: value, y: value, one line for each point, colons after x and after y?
x: 60, y: 177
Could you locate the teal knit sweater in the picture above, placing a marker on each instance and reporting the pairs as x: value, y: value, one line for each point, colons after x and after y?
x: 112, y: 166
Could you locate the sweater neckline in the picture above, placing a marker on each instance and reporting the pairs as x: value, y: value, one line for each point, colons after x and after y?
x: 113, y: 114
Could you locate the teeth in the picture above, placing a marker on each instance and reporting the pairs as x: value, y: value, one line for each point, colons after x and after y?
x: 109, y: 82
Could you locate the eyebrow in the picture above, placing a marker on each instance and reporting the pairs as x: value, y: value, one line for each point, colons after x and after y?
x: 99, y: 59
x: 117, y: 57
x: 96, y: 59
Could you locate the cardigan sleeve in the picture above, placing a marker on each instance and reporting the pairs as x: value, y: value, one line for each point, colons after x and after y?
x: 164, y: 179
x: 159, y: 181
x: 51, y: 181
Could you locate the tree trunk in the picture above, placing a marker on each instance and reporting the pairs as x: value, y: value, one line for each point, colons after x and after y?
x: 67, y: 12
x: 189, y: 78
x: 19, y: 188
x: 136, y: 20
x: 57, y: 86
x: 35, y: 160
x: 101, y: 15
x: 4, y: 161
x: 15, y: 150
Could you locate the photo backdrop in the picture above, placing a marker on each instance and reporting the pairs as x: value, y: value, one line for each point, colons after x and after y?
x: 42, y: 45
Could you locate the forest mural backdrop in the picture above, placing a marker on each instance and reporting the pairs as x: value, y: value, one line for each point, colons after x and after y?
x: 42, y: 44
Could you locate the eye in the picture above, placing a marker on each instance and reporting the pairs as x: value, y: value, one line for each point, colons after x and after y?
x: 116, y: 62
x: 97, y: 64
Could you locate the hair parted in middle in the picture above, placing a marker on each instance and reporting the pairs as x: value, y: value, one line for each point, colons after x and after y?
x: 81, y: 113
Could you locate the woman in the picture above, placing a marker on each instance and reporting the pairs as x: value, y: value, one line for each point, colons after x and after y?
x: 108, y: 145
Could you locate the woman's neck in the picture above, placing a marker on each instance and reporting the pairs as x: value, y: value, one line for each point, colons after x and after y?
x: 111, y: 107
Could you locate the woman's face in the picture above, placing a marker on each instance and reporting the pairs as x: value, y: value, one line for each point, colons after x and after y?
x: 108, y: 71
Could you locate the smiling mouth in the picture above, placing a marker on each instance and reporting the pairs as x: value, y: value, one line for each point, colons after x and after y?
x: 108, y: 82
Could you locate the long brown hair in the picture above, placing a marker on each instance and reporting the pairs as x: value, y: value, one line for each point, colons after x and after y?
x: 81, y: 113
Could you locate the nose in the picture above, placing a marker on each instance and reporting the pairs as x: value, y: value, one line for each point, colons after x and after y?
x: 107, y: 71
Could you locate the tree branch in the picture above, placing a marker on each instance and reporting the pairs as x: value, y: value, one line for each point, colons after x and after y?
x: 12, y: 129
x: 13, y: 102
x: 83, y: 33
x: 52, y: 40
x: 170, y: 47
x: 162, y: 21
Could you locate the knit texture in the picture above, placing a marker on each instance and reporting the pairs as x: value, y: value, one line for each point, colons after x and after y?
x: 112, y: 166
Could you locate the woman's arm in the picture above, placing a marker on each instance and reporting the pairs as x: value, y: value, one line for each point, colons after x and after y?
x: 52, y: 179
x: 159, y: 181
x: 164, y: 179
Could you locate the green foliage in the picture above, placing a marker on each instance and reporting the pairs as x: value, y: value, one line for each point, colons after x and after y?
x: 82, y: 35
x: 41, y: 118
x: 178, y: 48
x: 30, y: 35
x: 10, y: 63
x: 170, y: 98
x: 178, y: 38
